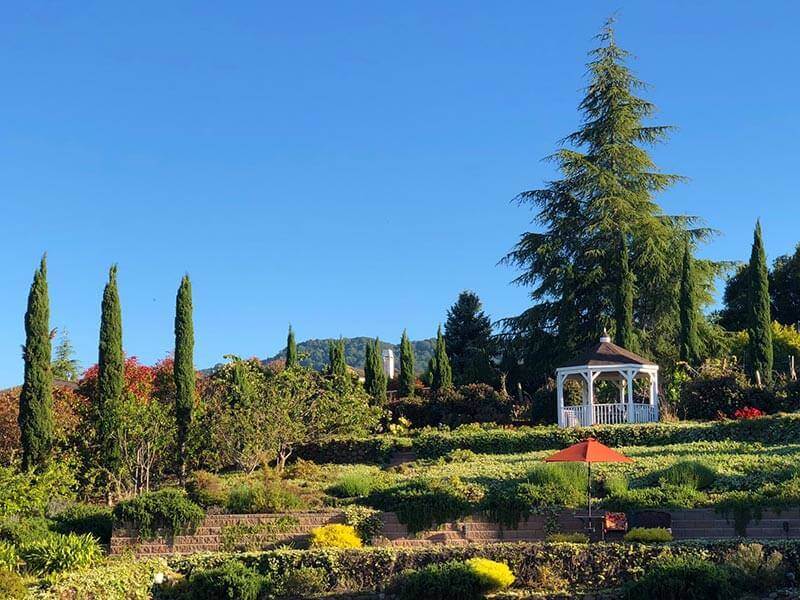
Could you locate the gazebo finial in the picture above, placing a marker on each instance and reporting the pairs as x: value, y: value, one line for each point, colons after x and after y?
x: 605, y: 338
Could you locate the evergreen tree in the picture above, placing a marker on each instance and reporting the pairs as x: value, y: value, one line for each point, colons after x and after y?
x: 759, y: 326
x: 36, y: 398
x: 608, y: 185
x: 110, y: 377
x: 470, y: 345
x: 291, y: 350
x: 734, y: 313
x: 623, y: 332
x: 65, y: 366
x: 407, y: 376
x: 441, y: 372
x: 183, y: 369
x: 374, y: 375
x: 337, y: 365
x: 688, y: 342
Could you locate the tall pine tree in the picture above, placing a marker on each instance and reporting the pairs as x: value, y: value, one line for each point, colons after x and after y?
x: 110, y: 377
x: 36, y: 398
x: 609, y: 183
x: 183, y: 370
x: 470, y: 345
x: 689, y: 341
x: 291, y: 350
x: 407, y: 376
x: 374, y: 375
x: 759, y: 325
x: 623, y: 309
x: 441, y: 372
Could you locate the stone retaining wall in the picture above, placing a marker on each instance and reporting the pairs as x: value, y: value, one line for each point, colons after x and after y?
x: 249, y: 532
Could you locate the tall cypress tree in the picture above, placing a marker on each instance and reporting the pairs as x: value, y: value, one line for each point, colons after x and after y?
x: 442, y: 374
x: 291, y: 350
x: 337, y: 366
x: 688, y: 340
x: 374, y: 375
x: 407, y: 376
x: 183, y: 369
x: 623, y: 308
x: 36, y: 398
x: 111, y: 376
x: 759, y: 327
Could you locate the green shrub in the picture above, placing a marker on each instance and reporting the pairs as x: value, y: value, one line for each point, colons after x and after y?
x: 28, y: 494
x: 55, y: 553
x: 423, y: 503
x: 690, y: 473
x: 86, y: 518
x: 12, y: 586
x: 230, y: 580
x: 207, y: 489
x: 167, y: 509
x: 357, y: 483
x: 562, y: 484
x: 366, y: 521
x: 754, y: 569
x: 258, y: 497
x: 494, y: 575
x: 615, y: 485
x: 117, y: 578
x: 568, y: 538
x: 19, y: 531
x: 648, y: 535
x: 453, y: 580
x: 663, y: 496
x: 9, y: 559
x: 303, y: 582
x: 684, y: 579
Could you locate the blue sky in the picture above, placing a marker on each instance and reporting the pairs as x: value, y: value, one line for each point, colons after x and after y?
x: 347, y: 166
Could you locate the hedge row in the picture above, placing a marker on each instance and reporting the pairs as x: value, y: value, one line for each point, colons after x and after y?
x: 584, y: 567
x: 433, y: 443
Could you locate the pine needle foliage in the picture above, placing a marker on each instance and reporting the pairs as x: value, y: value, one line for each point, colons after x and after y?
x: 291, y: 350
x: 441, y: 374
x: 759, y: 325
x: 374, y: 375
x: 337, y: 365
x: 689, y: 340
x: 608, y: 184
x: 111, y: 376
x: 183, y: 369
x: 36, y: 398
x: 623, y: 332
x: 407, y: 377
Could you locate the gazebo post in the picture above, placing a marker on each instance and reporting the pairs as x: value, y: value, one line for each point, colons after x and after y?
x: 629, y: 380
x: 560, y: 398
x: 590, y: 395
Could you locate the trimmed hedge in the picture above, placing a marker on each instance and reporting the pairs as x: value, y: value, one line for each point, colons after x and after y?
x: 361, y: 450
x: 581, y: 566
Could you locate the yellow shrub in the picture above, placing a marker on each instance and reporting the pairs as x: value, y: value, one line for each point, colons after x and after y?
x: 495, y: 575
x: 335, y: 536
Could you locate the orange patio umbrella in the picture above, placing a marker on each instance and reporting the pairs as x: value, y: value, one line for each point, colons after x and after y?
x: 588, y: 451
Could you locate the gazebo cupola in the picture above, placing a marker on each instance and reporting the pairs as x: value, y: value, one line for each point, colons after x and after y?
x: 608, y: 362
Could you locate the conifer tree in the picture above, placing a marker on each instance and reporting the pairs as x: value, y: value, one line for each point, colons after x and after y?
x: 470, y: 344
x: 689, y: 342
x: 110, y: 377
x: 338, y: 366
x: 374, y: 375
x: 759, y: 326
x: 183, y: 370
x: 36, y: 398
x: 623, y: 333
x: 407, y: 376
x: 65, y: 366
x: 291, y: 350
x: 441, y: 372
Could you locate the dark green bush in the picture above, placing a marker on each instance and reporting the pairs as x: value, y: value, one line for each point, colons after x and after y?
x: 303, y: 582
x: 355, y: 450
x: 258, y: 497
x: 207, y: 489
x: 168, y: 509
x: 12, y: 587
x: 691, y: 473
x: 683, y: 579
x: 21, y: 531
x: 662, y: 496
x: 449, y: 581
x: 231, y: 580
x: 423, y: 503
x: 86, y: 518
x: 357, y: 483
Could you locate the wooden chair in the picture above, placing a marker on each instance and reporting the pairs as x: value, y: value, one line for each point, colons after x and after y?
x: 615, y: 523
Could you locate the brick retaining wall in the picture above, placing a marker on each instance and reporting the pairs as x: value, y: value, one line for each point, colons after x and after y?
x: 271, y: 530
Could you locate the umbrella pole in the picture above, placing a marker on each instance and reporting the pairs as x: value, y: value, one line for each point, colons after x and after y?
x: 589, y: 492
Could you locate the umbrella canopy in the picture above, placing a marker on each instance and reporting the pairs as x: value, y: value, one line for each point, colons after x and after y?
x: 588, y: 451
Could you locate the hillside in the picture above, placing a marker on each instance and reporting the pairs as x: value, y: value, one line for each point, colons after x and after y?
x: 316, y: 352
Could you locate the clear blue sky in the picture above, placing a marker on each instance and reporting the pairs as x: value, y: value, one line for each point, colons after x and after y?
x: 347, y: 166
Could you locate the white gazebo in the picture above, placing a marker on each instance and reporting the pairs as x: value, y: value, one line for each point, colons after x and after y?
x: 607, y: 362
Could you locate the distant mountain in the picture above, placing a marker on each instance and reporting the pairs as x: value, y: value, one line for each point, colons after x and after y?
x: 316, y: 352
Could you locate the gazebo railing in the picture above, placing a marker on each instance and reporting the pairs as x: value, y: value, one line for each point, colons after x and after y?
x: 608, y: 414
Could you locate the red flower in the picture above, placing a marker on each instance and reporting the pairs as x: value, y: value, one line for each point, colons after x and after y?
x: 747, y: 412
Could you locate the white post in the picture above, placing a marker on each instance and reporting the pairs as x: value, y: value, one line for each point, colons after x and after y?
x: 590, y: 395
x: 654, y: 394
x: 560, y: 398
x: 629, y: 379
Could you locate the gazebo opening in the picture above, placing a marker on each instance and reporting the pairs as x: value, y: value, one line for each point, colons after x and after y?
x: 607, y: 362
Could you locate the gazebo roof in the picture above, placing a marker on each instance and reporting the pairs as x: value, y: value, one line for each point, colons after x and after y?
x: 606, y: 354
